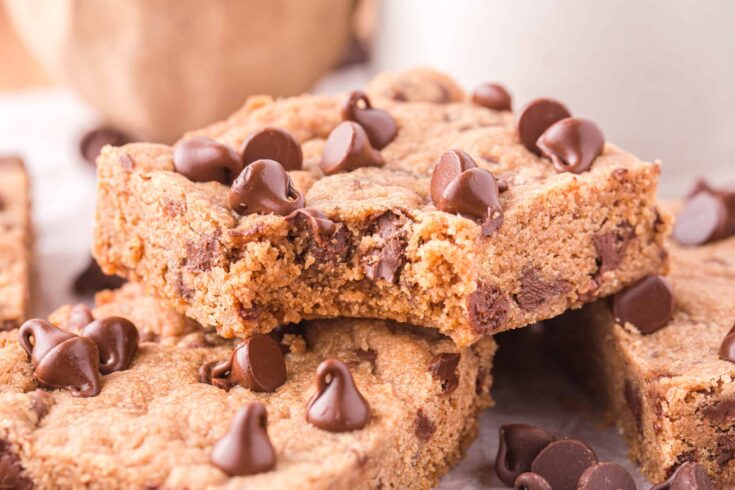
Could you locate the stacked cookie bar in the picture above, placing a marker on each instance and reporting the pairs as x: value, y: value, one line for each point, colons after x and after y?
x: 364, y: 248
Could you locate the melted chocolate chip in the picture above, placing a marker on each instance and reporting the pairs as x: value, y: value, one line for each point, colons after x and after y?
x: 273, y: 144
x: 12, y: 473
x: 257, y: 364
x: 493, y: 96
x: 648, y: 304
x: 688, y: 476
x: 385, y: 261
x: 80, y: 316
x: 561, y: 463
x: 458, y: 186
x: 322, y: 238
x: 611, y: 247
x: 531, y: 481
x: 61, y: 359
x: 348, y: 148
x: 536, y: 118
x: 379, y: 126
x: 321, y: 227
x: 535, y: 291
x: 93, y: 141
x: 488, y: 308
x: 92, y: 280
x: 337, y: 405
x: 518, y: 445
x: 117, y: 340
x: 727, y: 348
x: 246, y: 449
x: 264, y: 187
x: 720, y: 412
x: 443, y: 368
x: 424, y: 428
x: 202, y: 159
x: 572, y: 144
x: 606, y: 476
x: 703, y: 218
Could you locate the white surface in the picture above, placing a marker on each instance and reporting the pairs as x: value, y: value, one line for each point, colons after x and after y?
x: 44, y: 127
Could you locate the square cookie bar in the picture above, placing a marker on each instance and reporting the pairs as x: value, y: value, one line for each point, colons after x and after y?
x: 672, y: 393
x: 157, y: 423
x: 15, y: 242
x: 515, y: 240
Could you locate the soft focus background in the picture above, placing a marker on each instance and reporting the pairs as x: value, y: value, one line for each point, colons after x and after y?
x: 657, y: 76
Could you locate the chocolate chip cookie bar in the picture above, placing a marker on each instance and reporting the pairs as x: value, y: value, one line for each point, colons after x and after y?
x: 411, y: 201
x: 326, y: 404
x: 661, y: 357
x: 15, y: 243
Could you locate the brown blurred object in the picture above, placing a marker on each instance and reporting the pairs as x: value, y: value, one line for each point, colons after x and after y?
x: 156, y: 68
x: 18, y: 69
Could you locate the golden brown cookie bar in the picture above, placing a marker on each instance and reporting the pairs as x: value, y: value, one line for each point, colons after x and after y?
x: 673, y: 397
x: 565, y: 238
x: 15, y: 242
x: 155, y: 424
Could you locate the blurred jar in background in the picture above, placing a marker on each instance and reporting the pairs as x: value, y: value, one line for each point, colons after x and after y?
x: 658, y: 76
x: 157, y: 68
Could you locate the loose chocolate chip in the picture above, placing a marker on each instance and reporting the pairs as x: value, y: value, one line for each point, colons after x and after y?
x: 531, y: 481
x: 257, y: 364
x: 321, y: 226
x: 79, y: 317
x: 562, y: 462
x: 61, y: 359
x: 273, y: 144
x: 12, y: 473
x: 92, y: 280
x: 264, y: 187
x: 379, y: 126
x: 424, y: 428
x: 493, y: 96
x: 117, y: 340
x: 202, y: 159
x: 572, y: 144
x: 246, y: 449
x: 606, y: 476
x: 688, y: 476
x: 702, y: 219
x: 443, y: 367
x: 458, y: 186
x: 648, y: 304
x: 536, y: 118
x: 518, y: 445
x: 348, y: 148
x: 93, y: 141
x: 337, y: 405
x: 727, y: 348
x: 385, y: 261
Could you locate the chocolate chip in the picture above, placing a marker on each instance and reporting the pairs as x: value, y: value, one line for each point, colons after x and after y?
x: 535, y: 291
x: 12, y: 473
x: 61, y: 359
x: 257, y: 364
x: 443, y: 367
x: 518, y: 445
x: 702, y: 219
x: 493, y: 96
x: 204, y: 373
x: 611, y: 247
x: 531, y: 481
x: 384, y: 261
x: 348, y: 148
x: 572, y: 144
x: 8, y: 325
x: 202, y: 254
x: 606, y: 476
x: 264, y: 187
x: 117, y: 340
x: 379, y: 126
x: 246, y: 449
x: 727, y: 348
x: 536, y: 118
x: 634, y: 402
x: 202, y: 159
x: 488, y: 308
x: 337, y: 405
x: 424, y: 428
x: 458, y: 186
x: 648, y: 304
x: 41, y: 403
x: 80, y: 315
x: 720, y: 412
x: 367, y: 355
x: 92, y: 280
x: 688, y: 476
x: 273, y: 144
x: 93, y: 141
x: 562, y: 462
x: 325, y: 240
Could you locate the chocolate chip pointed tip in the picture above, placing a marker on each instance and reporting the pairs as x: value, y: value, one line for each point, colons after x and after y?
x: 246, y: 448
x: 202, y: 159
x: 492, y: 96
x: 117, y: 339
x: 264, y: 187
x: 648, y: 304
x: 273, y: 144
x: 337, y: 405
x: 572, y: 144
x: 257, y: 364
x: 379, y: 125
x: 562, y: 463
x: 606, y: 476
x: 536, y: 118
x: 348, y: 148
x: 518, y: 446
x: 688, y: 476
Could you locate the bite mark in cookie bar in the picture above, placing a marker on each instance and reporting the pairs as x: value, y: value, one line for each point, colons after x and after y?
x: 670, y: 386
x: 158, y: 424
x: 547, y: 241
x: 16, y: 241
